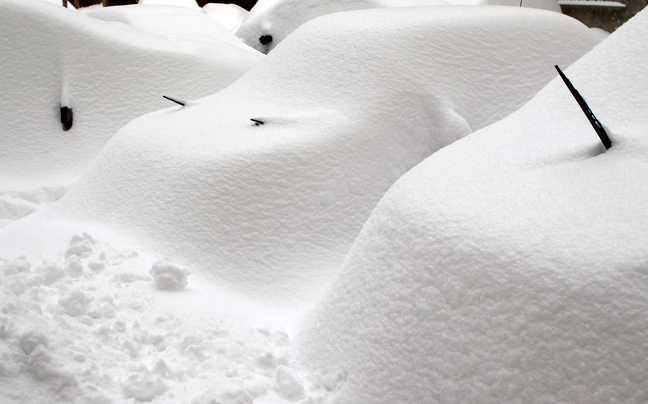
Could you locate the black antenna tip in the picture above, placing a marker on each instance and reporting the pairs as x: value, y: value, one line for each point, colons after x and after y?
x: 66, y: 117
x: 176, y: 101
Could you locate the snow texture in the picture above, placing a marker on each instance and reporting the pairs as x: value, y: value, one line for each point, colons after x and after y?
x: 107, y: 336
x: 172, y: 21
x: 281, y: 17
x: 229, y: 16
x: 107, y: 73
x: 350, y: 103
x: 510, y: 266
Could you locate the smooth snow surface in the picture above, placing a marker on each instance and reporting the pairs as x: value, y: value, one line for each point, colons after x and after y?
x: 184, y: 23
x: 278, y: 18
x: 107, y: 73
x: 229, y: 16
x: 511, y: 265
x: 350, y: 103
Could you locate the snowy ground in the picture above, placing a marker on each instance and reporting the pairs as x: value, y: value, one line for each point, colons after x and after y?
x: 191, y: 255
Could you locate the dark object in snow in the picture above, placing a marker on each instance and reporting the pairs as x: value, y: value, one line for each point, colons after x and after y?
x: 265, y: 39
x: 257, y: 122
x: 176, y: 101
x: 66, y: 118
x: 598, y: 127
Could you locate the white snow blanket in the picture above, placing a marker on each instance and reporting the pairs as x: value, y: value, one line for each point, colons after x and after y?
x: 269, y: 22
x: 107, y: 73
x: 176, y: 22
x: 349, y: 104
x: 229, y: 16
x: 510, y: 266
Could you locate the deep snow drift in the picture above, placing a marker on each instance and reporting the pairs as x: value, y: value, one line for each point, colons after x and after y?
x: 173, y: 21
x: 108, y: 73
x: 511, y: 265
x: 349, y: 102
x: 269, y: 22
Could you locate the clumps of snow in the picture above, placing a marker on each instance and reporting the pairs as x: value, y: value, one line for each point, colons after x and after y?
x: 98, y: 336
x: 80, y: 246
x: 288, y: 383
x: 73, y: 266
x: 50, y: 272
x: 73, y: 303
x: 168, y: 276
x: 144, y: 387
x: 224, y: 396
x: 510, y: 266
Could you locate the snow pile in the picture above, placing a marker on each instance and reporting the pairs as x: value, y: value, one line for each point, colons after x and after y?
x: 168, y: 276
x: 107, y: 73
x: 511, y: 265
x: 271, y: 210
x: 74, y: 333
x: 229, y: 16
x: 268, y: 23
x: 176, y: 22
x: 280, y: 18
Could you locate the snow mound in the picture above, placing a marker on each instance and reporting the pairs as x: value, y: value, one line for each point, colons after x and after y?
x: 107, y: 73
x: 348, y: 105
x: 184, y: 23
x: 511, y: 265
x: 229, y: 16
x: 280, y: 18
x: 268, y: 23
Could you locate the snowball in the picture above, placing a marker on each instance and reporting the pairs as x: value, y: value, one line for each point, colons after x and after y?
x: 224, y: 396
x: 18, y: 284
x: 168, y: 276
x: 80, y: 249
x: 101, y: 309
x: 143, y: 387
x: 51, y: 272
x: 288, y: 383
x: 31, y: 339
x: 73, y: 266
x: 73, y: 303
x: 96, y: 264
x: 16, y: 266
